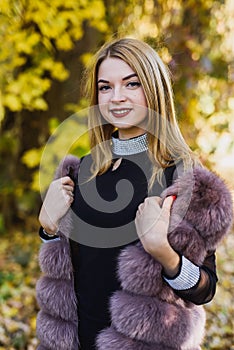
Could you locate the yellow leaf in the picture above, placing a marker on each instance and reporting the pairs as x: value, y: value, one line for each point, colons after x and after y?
x: 9, y: 312
x: 59, y: 72
x: 36, y: 183
x: 33, y: 323
x: 40, y: 104
x: 86, y: 58
x: 32, y: 157
x: 64, y: 42
x: 5, y: 9
x: 12, y: 102
x: 26, y: 97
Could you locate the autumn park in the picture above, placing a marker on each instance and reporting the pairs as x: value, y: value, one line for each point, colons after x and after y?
x: 46, y: 47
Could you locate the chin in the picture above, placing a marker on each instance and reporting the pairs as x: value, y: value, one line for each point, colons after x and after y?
x: 122, y: 125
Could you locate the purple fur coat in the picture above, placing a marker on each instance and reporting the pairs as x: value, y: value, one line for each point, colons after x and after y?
x: 146, y: 314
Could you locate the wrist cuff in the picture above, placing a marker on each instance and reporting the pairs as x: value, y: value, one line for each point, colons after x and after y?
x: 188, y: 277
x: 50, y: 235
x: 47, y: 237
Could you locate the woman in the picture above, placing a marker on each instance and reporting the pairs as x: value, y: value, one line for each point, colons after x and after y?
x: 140, y: 253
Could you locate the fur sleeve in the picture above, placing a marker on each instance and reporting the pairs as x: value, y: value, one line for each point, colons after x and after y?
x: 57, y: 322
x: 202, y: 211
x: 68, y: 166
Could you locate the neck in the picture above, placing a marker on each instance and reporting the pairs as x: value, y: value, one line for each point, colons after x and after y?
x: 130, y: 133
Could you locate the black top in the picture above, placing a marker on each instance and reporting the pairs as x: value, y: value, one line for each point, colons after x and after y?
x: 105, y: 210
x: 95, y: 266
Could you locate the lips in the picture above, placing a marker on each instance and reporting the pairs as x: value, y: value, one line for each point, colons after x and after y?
x: 120, y: 112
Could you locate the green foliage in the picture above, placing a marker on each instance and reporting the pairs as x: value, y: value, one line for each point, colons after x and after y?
x: 19, y: 271
x: 46, y: 44
x: 36, y: 38
x: 32, y: 33
x: 70, y: 137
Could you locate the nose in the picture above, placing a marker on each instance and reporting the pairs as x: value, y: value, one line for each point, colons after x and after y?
x: 118, y: 96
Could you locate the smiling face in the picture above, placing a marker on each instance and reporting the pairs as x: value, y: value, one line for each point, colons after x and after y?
x: 121, y: 98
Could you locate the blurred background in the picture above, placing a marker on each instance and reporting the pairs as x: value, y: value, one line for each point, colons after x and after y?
x: 45, y: 47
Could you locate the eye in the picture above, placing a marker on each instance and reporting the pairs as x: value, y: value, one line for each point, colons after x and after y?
x: 133, y: 84
x: 103, y: 87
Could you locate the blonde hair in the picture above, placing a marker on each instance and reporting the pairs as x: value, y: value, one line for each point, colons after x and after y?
x: 165, y: 141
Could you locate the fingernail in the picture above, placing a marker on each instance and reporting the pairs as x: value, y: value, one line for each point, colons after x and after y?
x: 174, y: 197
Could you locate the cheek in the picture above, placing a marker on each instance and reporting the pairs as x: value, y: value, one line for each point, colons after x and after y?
x: 142, y: 100
x: 102, y: 100
x: 103, y: 109
x: 103, y: 105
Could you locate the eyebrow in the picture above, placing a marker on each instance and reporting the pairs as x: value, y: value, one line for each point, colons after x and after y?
x: 125, y: 78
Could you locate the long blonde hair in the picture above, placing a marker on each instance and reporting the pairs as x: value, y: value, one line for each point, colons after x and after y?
x: 165, y: 141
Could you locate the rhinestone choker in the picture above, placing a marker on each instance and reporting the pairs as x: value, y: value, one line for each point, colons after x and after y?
x: 134, y: 145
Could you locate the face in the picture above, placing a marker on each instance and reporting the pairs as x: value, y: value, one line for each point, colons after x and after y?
x: 121, y: 98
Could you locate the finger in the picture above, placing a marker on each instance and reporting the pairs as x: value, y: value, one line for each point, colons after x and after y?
x: 140, y: 209
x: 69, y: 198
x: 68, y: 188
x: 153, y: 201
x: 68, y: 192
x: 153, y: 198
x: 158, y: 200
x: 167, y: 204
x: 149, y: 201
x: 66, y: 180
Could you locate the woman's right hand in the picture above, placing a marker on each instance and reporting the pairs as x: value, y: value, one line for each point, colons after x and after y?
x: 58, y: 200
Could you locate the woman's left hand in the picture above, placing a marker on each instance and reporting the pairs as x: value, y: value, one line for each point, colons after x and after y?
x: 152, y: 222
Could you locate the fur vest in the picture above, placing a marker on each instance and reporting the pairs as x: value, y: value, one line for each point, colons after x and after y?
x: 146, y: 314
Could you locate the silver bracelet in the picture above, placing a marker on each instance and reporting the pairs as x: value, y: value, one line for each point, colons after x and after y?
x: 188, y: 276
x: 50, y: 235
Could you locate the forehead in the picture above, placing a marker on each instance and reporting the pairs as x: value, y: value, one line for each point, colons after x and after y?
x: 115, y: 68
